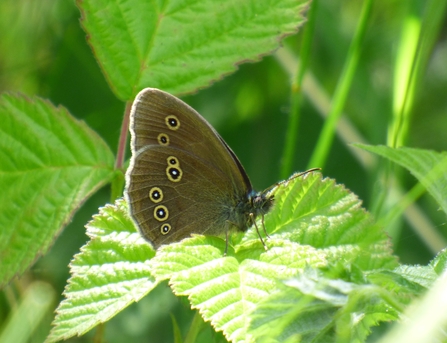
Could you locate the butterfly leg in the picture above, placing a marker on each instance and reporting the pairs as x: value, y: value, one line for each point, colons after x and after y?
x: 257, y: 230
x: 226, y: 241
x: 263, y: 225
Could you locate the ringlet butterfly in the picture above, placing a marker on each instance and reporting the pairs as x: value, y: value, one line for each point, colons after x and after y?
x: 183, y: 178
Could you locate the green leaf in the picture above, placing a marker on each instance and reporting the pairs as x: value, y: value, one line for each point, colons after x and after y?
x: 109, y: 273
x: 182, y: 45
x: 313, y: 308
x: 114, y: 268
x: 426, y: 319
x: 50, y: 164
x: 226, y: 289
x: 439, y: 263
x: 424, y: 276
x: 324, y: 215
x: 315, y: 223
x: 429, y: 167
x: 405, y: 281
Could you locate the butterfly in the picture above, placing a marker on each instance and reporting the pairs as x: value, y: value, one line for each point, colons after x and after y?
x: 183, y: 177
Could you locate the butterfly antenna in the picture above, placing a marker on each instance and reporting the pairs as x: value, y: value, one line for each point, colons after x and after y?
x: 304, y: 173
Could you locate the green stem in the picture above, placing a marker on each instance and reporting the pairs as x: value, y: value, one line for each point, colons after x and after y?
x: 410, y: 65
x: 321, y: 152
x: 121, y: 151
x: 296, y: 94
x: 118, y: 180
x: 196, y: 327
x: 414, y: 58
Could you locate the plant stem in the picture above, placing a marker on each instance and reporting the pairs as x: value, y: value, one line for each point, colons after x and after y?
x: 296, y: 94
x: 321, y: 151
x: 196, y: 326
x: 118, y: 180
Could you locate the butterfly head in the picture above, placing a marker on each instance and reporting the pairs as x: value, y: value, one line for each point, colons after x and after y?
x: 260, y: 203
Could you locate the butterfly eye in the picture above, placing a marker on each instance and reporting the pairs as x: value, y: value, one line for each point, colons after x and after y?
x: 172, y: 122
x: 165, y: 228
x: 173, y: 161
x: 174, y: 174
x: 161, y: 213
x: 163, y: 139
x: 156, y: 194
x: 173, y: 171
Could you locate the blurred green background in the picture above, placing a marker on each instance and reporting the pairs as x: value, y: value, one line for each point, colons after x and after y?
x: 43, y: 51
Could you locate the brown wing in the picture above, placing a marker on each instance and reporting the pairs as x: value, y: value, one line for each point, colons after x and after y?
x: 198, y: 201
x: 150, y: 112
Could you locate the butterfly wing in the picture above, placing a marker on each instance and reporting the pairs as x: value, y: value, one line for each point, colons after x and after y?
x: 183, y: 178
x: 197, y: 202
x: 150, y: 115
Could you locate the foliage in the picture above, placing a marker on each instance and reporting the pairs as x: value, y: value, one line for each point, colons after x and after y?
x: 329, y: 274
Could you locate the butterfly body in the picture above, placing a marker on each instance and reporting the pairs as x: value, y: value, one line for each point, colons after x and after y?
x: 183, y: 178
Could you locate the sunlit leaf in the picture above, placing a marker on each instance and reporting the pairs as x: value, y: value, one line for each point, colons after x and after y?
x: 50, y: 164
x: 182, y: 45
x: 110, y: 273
